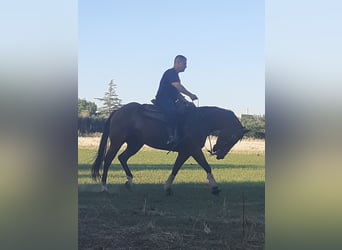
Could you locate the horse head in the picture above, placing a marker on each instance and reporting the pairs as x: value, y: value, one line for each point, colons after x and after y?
x: 227, y: 138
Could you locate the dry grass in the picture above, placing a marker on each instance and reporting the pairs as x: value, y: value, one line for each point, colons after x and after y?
x: 245, y: 145
x: 140, y: 220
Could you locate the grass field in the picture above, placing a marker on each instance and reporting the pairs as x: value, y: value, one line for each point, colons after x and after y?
x: 192, y: 218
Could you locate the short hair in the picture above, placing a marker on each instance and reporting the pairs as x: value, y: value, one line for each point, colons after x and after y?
x: 180, y: 57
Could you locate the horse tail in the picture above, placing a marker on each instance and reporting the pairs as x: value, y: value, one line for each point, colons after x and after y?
x: 95, y: 170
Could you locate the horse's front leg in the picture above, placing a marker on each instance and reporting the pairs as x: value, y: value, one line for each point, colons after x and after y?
x: 199, y: 157
x: 181, y: 158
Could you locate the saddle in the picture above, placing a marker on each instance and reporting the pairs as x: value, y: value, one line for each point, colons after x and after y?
x: 154, y: 112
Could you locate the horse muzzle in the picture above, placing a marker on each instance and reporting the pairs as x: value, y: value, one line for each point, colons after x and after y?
x: 219, y: 157
x: 219, y: 154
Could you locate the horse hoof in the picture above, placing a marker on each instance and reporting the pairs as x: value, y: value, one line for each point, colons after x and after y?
x: 128, y: 185
x: 215, y: 191
x: 104, y: 189
x: 168, y: 191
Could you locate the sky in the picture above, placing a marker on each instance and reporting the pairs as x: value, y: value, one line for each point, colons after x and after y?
x: 135, y: 42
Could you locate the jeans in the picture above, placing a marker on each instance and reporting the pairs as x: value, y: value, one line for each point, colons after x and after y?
x: 169, y: 109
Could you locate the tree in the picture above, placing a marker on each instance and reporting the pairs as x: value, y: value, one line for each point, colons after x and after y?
x: 111, y: 101
x: 256, y: 125
x: 86, y: 108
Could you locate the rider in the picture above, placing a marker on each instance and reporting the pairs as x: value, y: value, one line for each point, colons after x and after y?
x: 168, y: 95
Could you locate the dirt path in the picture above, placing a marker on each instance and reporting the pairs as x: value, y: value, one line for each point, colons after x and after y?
x: 246, y: 145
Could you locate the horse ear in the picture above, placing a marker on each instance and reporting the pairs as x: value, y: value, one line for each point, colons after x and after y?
x: 245, y: 131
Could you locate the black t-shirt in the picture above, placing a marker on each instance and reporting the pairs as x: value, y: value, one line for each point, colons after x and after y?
x: 166, y: 90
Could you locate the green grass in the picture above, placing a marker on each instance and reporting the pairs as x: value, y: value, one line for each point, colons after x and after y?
x: 192, y: 218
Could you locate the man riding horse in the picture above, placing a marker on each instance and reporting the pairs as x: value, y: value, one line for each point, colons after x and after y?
x: 169, y: 95
x: 141, y: 124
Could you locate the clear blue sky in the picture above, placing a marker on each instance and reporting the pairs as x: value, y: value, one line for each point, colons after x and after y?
x: 134, y: 42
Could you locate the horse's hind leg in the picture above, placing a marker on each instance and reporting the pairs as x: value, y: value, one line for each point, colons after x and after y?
x: 112, y: 151
x: 132, y: 149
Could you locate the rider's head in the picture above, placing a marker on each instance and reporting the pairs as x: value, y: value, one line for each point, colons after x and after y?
x: 180, y: 63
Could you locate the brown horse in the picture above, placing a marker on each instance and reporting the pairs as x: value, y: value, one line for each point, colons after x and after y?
x: 136, y: 124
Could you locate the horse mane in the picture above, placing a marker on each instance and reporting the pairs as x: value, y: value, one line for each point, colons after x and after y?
x: 213, y: 112
x: 209, y: 115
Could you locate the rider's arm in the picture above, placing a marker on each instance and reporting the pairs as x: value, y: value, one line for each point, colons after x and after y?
x: 183, y: 90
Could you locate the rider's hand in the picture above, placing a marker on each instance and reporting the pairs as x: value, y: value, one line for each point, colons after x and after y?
x: 193, y: 97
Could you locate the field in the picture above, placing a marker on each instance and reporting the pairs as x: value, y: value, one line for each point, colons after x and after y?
x: 191, y: 218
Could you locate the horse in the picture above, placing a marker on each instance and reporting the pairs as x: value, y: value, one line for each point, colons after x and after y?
x: 144, y: 124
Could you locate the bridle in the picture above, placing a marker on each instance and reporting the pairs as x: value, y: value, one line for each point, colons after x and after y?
x: 240, y: 133
x: 211, y: 152
x: 223, y: 146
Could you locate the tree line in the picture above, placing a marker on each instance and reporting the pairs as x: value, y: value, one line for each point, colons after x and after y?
x: 91, y: 119
x: 255, y: 124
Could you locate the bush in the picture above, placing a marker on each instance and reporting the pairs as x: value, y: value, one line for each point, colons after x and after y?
x: 256, y: 125
x: 90, y: 125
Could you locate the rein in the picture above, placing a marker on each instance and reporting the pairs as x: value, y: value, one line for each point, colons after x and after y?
x: 211, y: 148
x: 197, y: 103
x: 209, y: 136
x: 211, y: 152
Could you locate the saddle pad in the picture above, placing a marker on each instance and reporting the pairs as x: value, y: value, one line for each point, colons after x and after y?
x: 153, y: 111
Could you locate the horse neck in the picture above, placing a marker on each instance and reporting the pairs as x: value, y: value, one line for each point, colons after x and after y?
x: 215, y: 118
